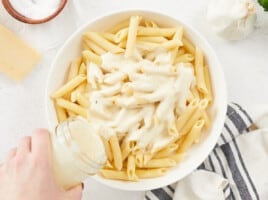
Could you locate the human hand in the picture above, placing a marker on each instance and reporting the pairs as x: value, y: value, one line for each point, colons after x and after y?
x: 27, y: 172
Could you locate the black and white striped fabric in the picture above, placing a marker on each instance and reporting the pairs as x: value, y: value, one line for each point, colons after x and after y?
x: 225, y: 160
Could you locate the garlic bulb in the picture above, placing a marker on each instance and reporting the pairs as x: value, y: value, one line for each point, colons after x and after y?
x: 232, y: 19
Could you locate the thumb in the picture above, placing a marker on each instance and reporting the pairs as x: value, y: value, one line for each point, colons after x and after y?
x: 75, y: 193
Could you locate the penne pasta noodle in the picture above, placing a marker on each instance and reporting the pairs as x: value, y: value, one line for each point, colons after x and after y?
x: 132, y: 35
x: 108, y: 166
x: 61, y: 113
x: 195, y: 116
x: 108, y: 36
x: 126, y: 149
x: 195, y: 93
x: 108, y: 150
x: 69, y: 86
x: 191, y: 137
x: 191, y: 108
x: 151, y: 173
x: 171, y: 44
x: 121, y: 35
x: 94, y: 47
x: 82, y: 100
x: 185, y: 58
x: 206, y: 119
x: 199, y: 70
x: 72, y: 107
x: 123, y: 44
x: 103, y: 43
x: 209, y: 94
x: 131, y: 168
x: 119, y: 26
x: 154, y: 39
x: 160, y: 163
x: 113, y: 174
x: 146, y: 158
x: 148, y: 31
x: 147, y: 46
x: 71, y: 114
x: 74, y: 68
x: 181, y: 51
x: 174, y: 52
x: 188, y: 46
x: 139, y: 159
x: 89, y: 56
x: 167, y: 151
x: 178, y: 157
x: 79, y: 89
x: 82, y: 69
x: 117, y: 156
x: 150, y: 23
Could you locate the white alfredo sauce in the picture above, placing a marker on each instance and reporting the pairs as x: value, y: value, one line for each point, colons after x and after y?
x: 138, y: 98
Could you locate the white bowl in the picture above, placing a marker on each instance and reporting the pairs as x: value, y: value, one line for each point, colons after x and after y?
x: 198, y: 153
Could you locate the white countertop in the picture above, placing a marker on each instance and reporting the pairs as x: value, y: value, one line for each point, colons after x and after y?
x: 22, y: 108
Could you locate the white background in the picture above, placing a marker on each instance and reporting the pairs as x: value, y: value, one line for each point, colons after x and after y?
x: 22, y: 109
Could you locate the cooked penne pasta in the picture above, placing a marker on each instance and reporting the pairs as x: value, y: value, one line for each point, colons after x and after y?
x: 154, y: 39
x: 191, y: 137
x: 74, y: 68
x: 126, y: 149
x: 108, y: 149
x: 151, y: 173
x: 178, y: 157
x: 195, y: 116
x: 150, y: 23
x: 82, y: 69
x: 82, y: 100
x: 148, y: 31
x: 61, y: 113
x: 167, y: 151
x: 117, y: 155
x: 188, y: 46
x: 119, y: 26
x: 108, y: 36
x: 80, y: 89
x: 160, y: 163
x: 89, y: 56
x: 199, y: 70
x: 72, y: 107
x: 132, y: 35
x: 94, y: 47
x: 131, y: 168
x: 185, y: 58
x: 103, y: 43
x: 191, y: 108
x: 209, y: 94
x: 69, y: 86
x: 113, y: 174
x: 147, y: 89
x: 206, y: 119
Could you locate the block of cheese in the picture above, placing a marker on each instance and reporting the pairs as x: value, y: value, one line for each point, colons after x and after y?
x: 17, y: 58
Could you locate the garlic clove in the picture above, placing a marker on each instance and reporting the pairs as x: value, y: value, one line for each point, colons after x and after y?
x: 232, y: 19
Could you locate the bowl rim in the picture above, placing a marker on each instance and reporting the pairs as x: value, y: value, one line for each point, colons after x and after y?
x: 154, y: 185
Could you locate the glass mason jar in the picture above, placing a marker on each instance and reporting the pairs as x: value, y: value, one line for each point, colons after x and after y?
x: 78, y: 152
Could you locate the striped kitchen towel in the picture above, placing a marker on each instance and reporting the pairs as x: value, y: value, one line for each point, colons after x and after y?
x: 236, y: 169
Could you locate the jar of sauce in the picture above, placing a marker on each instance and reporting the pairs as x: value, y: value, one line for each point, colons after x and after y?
x: 78, y: 152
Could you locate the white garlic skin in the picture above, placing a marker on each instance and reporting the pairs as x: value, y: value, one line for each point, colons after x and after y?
x: 232, y: 19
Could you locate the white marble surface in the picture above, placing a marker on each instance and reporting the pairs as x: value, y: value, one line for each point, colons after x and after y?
x: 245, y: 64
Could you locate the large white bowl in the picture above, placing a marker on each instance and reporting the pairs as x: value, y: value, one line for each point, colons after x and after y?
x: 198, y: 153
